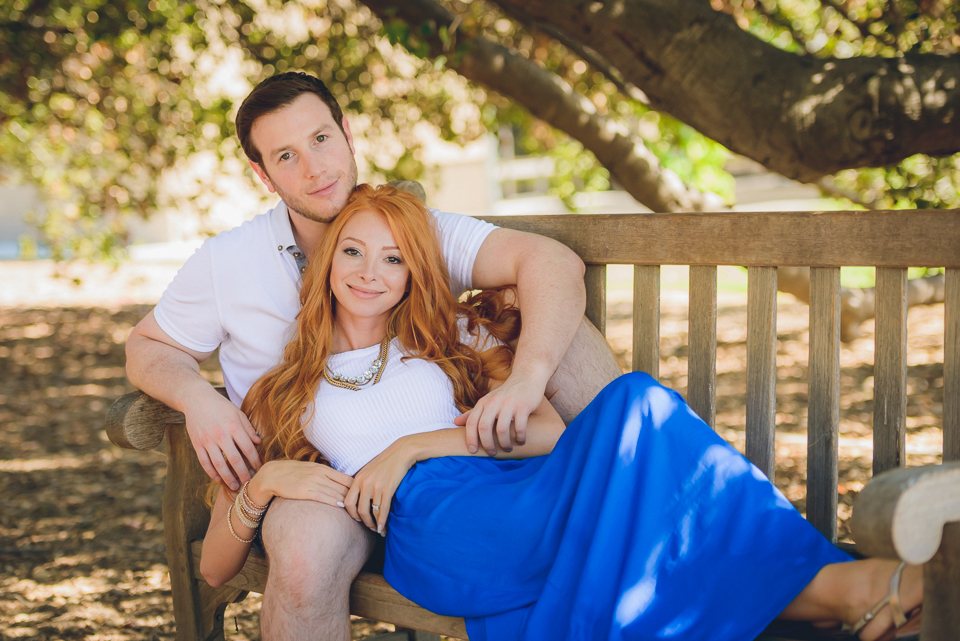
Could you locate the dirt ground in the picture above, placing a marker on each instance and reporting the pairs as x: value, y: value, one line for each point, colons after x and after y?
x: 81, y: 541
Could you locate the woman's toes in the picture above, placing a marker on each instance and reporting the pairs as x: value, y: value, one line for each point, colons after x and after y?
x: 911, y: 597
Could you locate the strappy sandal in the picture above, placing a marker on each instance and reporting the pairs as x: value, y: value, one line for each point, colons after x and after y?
x: 900, y: 619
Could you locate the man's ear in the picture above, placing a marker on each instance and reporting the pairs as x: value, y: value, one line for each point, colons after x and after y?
x: 346, y: 132
x: 264, y: 178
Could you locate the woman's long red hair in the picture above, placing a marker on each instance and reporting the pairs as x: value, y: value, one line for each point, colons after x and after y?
x: 425, y: 322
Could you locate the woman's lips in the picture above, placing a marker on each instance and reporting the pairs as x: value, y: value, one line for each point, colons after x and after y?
x: 364, y: 293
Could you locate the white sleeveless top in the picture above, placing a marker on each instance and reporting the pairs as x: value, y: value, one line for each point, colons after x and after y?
x: 350, y: 428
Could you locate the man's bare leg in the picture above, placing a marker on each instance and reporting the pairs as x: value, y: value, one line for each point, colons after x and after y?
x: 588, y: 366
x: 315, y: 552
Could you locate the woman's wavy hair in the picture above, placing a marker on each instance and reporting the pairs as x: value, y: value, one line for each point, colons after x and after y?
x: 425, y: 321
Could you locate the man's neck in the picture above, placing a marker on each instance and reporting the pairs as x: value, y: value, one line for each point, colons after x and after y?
x: 306, y: 233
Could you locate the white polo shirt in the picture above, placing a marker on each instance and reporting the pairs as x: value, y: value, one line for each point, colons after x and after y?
x: 240, y: 291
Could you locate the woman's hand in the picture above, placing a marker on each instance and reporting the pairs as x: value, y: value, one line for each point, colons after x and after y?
x: 375, y: 484
x: 300, y: 480
x: 227, y: 544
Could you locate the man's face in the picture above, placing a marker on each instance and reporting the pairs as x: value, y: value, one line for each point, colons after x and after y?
x: 307, y: 159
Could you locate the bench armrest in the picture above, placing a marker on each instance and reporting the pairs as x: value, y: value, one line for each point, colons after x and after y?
x: 901, y: 513
x: 138, y: 422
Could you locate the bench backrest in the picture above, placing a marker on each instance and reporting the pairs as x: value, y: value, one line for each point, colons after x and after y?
x: 891, y: 241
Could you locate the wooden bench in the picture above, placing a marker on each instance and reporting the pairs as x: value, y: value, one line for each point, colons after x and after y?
x: 911, y: 514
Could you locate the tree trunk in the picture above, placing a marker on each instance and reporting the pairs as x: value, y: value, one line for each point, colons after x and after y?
x: 859, y: 305
x: 800, y: 116
x: 547, y: 97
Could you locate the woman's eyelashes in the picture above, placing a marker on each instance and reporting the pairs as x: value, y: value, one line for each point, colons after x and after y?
x: 391, y: 259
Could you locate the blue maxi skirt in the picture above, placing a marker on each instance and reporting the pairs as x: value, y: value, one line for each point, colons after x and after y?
x: 641, y: 524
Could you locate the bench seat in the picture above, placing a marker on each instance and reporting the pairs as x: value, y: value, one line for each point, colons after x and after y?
x: 371, y: 597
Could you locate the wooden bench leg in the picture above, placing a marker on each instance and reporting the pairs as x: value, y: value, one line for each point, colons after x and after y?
x: 213, y: 603
x: 197, y: 608
x: 941, y: 585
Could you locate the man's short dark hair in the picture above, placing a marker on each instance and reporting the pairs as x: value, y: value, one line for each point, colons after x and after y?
x: 274, y: 93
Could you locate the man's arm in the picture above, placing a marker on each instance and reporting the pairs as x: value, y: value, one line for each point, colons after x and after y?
x: 166, y: 370
x: 552, y: 300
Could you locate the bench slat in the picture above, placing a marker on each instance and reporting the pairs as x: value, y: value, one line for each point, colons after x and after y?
x: 702, y: 363
x: 595, y: 280
x: 646, y: 319
x: 951, y: 367
x: 823, y: 422
x: 370, y: 597
x: 924, y: 238
x: 761, y: 366
x: 890, y: 370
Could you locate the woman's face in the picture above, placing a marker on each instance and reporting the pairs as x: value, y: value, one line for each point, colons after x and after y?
x: 368, y: 275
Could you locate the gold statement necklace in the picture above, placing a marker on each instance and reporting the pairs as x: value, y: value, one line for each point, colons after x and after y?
x: 356, y: 382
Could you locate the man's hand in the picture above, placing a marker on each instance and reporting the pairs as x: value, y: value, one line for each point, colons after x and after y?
x: 551, y: 297
x: 170, y: 372
x: 223, y: 438
x: 501, y: 416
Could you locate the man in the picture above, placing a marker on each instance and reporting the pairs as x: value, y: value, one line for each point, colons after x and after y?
x: 240, y: 292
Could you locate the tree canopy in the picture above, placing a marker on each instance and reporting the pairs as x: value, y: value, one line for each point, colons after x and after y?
x: 100, y: 97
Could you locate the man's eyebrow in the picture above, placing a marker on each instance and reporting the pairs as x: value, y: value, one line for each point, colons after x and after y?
x: 316, y: 133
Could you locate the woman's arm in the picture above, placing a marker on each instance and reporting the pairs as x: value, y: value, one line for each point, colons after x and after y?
x: 223, y: 552
x: 376, y: 483
x: 543, y: 430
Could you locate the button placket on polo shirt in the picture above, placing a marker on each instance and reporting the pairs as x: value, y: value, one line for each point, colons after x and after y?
x: 299, y: 257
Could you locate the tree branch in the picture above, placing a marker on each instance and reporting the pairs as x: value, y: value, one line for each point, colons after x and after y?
x: 800, y: 116
x: 828, y: 186
x: 863, y: 26
x: 547, y: 97
x: 591, y: 58
x: 776, y: 17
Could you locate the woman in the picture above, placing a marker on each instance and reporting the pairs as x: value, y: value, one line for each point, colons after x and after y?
x: 641, y: 523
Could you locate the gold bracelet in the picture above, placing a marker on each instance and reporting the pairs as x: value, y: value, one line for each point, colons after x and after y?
x: 234, y: 532
x: 249, y: 502
x: 250, y: 523
x: 253, y: 516
x: 241, y: 504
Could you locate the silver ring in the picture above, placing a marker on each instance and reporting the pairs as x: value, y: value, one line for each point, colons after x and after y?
x: 375, y: 507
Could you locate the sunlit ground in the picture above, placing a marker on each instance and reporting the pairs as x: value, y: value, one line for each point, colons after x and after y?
x: 81, y: 541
